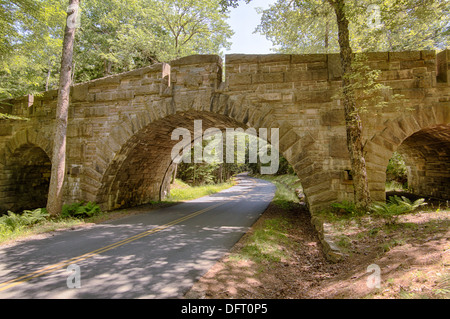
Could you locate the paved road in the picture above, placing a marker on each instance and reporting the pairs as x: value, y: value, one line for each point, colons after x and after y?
x: 159, y: 254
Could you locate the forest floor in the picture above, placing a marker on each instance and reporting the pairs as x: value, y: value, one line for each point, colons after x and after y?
x: 281, y: 257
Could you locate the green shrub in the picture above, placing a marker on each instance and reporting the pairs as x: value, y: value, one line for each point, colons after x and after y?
x: 396, y: 170
x: 80, y: 210
x: 409, y: 205
x: 346, y: 207
x: 13, y: 221
x: 396, y: 206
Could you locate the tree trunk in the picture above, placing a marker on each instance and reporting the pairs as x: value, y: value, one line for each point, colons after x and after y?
x: 220, y: 173
x: 54, y: 202
x: 174, y: 174
x: 352, y: 117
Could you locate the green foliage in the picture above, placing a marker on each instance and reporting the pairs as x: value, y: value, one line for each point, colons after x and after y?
x: 117, y: 36
x: 409, y: 205
x: 114, y: 36
x: 300, y: 27
x: 390, y: 210
x: 396, y: 206
x: 11, y: 221
x: 286, y: 196
x: 284, y: 167
x: 310, y: 26
x: 369, y: 93
x: 264, y: 243
x: 34, y: 44
x: 188, y: 192
x: 80, y: 210
x: 345, y: 207
x: 396, y: 169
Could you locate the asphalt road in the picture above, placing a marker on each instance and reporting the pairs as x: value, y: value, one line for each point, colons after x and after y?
x: 159, y: 254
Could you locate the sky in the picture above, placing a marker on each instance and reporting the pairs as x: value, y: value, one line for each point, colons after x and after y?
x: 243, y: 21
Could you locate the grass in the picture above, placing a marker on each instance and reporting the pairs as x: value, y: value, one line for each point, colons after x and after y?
x: 183, y: 192
x: 264, y: 244
x: 285, y: 194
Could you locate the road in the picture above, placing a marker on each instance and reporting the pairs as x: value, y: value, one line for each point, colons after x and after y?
x: 158, y: 254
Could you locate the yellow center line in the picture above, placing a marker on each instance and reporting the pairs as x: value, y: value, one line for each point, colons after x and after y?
x: 11, y: 283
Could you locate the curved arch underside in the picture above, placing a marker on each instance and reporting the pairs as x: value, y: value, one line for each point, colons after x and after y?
x: 138, y: 172
x: 427, y: 156
x: 25, y: 179
x: 422, y: 136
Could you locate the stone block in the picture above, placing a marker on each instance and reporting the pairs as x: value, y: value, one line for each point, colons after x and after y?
x: 377, y: 56
x: 268, y: 77
x: 6, y: 130
x: 411, y: 64
x: 333, y: 117
x: 271, y: 96
x: 334, y: 67
x: 288, y: 139
x: 428, y: 54
x: 239, y: 79
x: 198, y: 59
x: 338, y: 147
x: 404, y: 55
x: 275, y: 58
x: 443, y: 59
x: 79, y: 92
x: 308, y: 58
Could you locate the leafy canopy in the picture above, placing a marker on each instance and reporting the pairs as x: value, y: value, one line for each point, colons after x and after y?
x: 114, y: 36
x: 375, y: 25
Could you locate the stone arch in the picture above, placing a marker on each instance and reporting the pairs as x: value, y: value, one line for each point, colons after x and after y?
x: 402, y: 133
x: 100, y: 182
x: 25, y: 168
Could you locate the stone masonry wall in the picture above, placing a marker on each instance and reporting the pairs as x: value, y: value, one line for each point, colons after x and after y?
x: 118, y: 135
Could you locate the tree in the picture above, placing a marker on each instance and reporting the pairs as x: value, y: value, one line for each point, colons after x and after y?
x: 114, y: 36
x: 300, y: 27
x: 195, y: 26
x: 54, y: 202
x: 30, y: 50
x: 374, y: 25
x: 353, y: 122
x: 121, y: 35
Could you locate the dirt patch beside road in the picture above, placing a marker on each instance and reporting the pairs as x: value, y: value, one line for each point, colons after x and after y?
x: 412, y: 256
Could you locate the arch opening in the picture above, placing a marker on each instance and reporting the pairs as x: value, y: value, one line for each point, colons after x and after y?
x: 142, y: 169
x: 26, y: 179
x: 426, y: 156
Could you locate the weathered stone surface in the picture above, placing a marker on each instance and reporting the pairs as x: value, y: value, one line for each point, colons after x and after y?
x: 119, y: 133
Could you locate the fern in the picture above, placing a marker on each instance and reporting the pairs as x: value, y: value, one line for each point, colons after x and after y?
x: 396, y: 206
x: 80, y: 210
x: 410, y: 205
x: 14, y: 221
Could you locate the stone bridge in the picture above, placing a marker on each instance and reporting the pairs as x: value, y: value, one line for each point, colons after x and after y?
x: 119, y: 132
